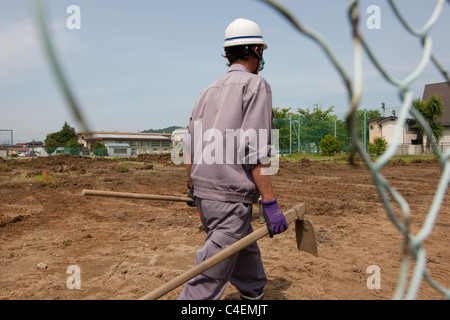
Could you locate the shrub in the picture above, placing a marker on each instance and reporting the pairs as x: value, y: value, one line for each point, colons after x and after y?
x: 378, y: 147
x: 330, y: 145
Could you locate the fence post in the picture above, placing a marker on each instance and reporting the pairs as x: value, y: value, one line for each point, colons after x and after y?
x: 299, y: 133
x: 290, y: 135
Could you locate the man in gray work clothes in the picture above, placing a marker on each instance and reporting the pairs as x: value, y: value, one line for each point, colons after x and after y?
x: 229, y: 142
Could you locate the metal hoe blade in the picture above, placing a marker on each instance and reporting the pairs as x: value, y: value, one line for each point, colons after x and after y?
x: 306, y: 237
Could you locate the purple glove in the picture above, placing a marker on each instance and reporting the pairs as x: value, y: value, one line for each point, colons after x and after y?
x: 191, y: 195
x: 275, y: 220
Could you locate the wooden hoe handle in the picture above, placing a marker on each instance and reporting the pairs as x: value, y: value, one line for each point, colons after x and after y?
x: 87, y: 192
x: 291, y: 215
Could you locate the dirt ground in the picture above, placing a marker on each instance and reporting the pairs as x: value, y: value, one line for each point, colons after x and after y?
x: 125, y: 248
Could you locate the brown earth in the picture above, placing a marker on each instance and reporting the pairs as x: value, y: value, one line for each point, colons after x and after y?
x: 125, y: 248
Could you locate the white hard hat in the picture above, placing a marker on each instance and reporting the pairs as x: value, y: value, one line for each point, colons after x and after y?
x: 241, y: 32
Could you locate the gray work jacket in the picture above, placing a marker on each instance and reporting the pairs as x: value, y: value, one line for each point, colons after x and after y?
x: 229, y: 133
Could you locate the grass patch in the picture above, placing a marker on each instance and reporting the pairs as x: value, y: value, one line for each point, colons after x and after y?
x: 414, y: 158
x: 316, y: 156
x: 343, y: 157
x: 44, y: 178
x: 122, y: 169
x: 133, y: 162
x: 4, y: 167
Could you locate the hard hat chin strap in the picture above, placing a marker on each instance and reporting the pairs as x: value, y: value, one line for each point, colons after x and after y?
x: 260, y: 58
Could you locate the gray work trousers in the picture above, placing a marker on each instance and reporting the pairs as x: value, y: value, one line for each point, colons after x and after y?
x: 226, y: 223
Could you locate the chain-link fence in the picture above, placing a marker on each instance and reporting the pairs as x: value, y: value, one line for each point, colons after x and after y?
x: 408, y: 285
x: 412, y: 274
x: 299, y: 134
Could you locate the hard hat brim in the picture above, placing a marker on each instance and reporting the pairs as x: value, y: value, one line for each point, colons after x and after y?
x: 241, y: 41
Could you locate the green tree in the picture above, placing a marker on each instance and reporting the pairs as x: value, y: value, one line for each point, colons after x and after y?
x: 378, y: 147
x: 60, y: 138
x: 66, y: 134
x: 314, y: 126
x: 330, y: 145
x: 317, y: 123
x: 340, y: 131
x: 282, y: 118
x: 50, y: 145
x: 431, y: 109
x: 99, y: 149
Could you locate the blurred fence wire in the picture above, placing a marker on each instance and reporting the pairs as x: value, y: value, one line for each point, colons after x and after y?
x: 408, y: 284
x: 55, y: 66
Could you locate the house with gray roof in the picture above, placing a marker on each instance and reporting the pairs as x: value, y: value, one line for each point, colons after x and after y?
x: 411, y: 141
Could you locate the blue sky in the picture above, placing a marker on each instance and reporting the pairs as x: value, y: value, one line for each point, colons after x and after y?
x: 141, y: 64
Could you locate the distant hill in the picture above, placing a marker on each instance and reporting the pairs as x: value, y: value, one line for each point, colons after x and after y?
x: 165, y: 130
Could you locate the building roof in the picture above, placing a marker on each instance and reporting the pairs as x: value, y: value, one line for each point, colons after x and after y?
x: 382, y: 119
x: 441, y: 89
x: 121, y: 136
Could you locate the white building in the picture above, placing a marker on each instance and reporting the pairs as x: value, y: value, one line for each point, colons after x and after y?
x: 118, y: 149
x: 138, y: 143
x: 411, y: 141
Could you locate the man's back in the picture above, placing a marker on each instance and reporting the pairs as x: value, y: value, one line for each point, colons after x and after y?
x: 238, y: 102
